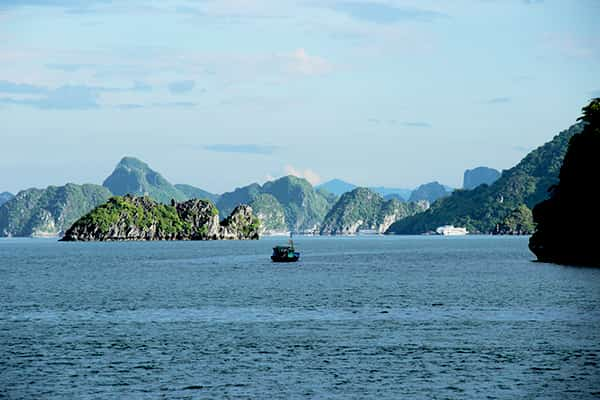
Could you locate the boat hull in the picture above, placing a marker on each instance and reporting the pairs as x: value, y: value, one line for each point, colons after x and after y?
x: 285, y: 259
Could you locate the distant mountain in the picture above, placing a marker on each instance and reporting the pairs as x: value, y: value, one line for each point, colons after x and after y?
x: 270, y: 212
x: 479, y: 176
x: 567, y: 224
x: 430, y: 192
x: 404, y: 194
x: 192, y: 192
x: 133, y: 176
x: 362, y: 208
x: 339, y: 187
x: 5, y: 196
x: 503, y: 207
x: 50, y: 211
x: 244, y: 195
x: 302, y: 205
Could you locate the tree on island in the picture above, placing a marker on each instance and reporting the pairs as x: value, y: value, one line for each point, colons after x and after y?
x: 568, y: 222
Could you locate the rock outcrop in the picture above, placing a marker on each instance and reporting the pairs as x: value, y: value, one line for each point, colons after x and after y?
x: 362, y: 209
x: 567, y: 222
x: 142, y: 218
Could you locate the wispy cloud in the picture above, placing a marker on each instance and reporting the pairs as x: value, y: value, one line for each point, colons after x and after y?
x: 20, y: 88
x: 417, y: 124
x: 499, y: 100
x: 241, y: 148
x: 179, y: 87
x: 69, y: 67
x: 66, y: 97
x: 307, y: 174
x: 62, y: 98
x: 383, y: 13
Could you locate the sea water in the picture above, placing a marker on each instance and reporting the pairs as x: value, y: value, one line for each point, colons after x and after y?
x: 356, y: 318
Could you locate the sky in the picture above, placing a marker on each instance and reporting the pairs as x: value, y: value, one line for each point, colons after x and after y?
x: 222, y: 93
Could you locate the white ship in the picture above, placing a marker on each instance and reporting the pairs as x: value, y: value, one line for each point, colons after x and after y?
x: 451, y: 230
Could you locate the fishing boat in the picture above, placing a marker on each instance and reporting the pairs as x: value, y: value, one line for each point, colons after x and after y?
x: 285, y: 253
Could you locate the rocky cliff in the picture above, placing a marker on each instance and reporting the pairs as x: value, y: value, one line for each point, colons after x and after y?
x: 50, y: 211
x: 142, y: 218
x: 567, y: 224
x: 362, y: 209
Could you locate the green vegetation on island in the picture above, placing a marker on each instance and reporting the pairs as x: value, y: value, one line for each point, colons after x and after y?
x: 142, y: 218
x: 504, y: 204
x: 50, y: 211
x: 363, y: 209
x: 567, y: 224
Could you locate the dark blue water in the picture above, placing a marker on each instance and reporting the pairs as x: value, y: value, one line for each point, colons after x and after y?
x: 380, y: 318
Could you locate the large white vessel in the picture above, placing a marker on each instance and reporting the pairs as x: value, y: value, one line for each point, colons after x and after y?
x: 451, y: 230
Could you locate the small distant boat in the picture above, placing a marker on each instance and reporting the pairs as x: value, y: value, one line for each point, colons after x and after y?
x: 451, y: 230
x: 285, y: 253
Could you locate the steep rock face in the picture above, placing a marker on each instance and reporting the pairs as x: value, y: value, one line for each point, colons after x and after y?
x: 567, y: 224
x: 482, y: 209
x: 363, y: 209
x: 479, y: 176
x: 5, y: 196
x: 240, y: 224
x: 142, y: 218
x: 133, y: 176
x: 430, y: 192
x: 50, y: 211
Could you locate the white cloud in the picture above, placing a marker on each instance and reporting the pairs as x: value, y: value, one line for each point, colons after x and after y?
x: 303, y: 63
x: 307, y: 174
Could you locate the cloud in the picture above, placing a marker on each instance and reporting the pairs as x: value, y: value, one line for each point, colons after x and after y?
x: 179, y: 87
x: 241, y: 148
x: 499, y: 100
x: 307, y: 174
x: 69, y: 67
x: 63, y: 98
x: 66, y: 97
x: 178, y: 104
x: 417, y: 124
x: 129, y: 106
x: 303, y: 63
x: 20, y: 88
x: 384, y: 14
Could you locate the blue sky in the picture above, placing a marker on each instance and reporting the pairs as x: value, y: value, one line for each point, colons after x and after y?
x: 221, y: 93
